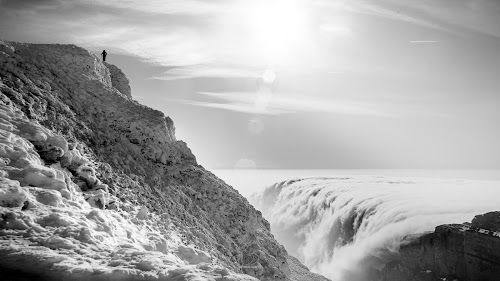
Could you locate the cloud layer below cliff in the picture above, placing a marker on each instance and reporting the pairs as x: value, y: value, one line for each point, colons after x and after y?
x: 340, y: 226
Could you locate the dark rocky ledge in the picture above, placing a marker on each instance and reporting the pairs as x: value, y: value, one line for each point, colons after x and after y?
x: 462, y: 252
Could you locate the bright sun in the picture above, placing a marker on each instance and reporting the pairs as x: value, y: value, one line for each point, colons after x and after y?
x: 276, y: 27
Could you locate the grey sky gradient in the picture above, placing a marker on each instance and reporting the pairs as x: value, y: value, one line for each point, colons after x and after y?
x: 296, y: 83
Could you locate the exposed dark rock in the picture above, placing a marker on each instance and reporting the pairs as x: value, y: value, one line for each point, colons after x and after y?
x: 464, y: 252
x: 119, y: 80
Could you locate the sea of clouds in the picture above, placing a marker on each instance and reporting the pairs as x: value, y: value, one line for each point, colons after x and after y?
x: 344, y: 227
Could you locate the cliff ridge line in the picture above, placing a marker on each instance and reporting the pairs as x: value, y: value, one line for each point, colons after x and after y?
x: 91, y: 175
x: 464, y: 252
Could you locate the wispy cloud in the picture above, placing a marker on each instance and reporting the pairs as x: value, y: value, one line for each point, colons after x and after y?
x: 201, y: 38
x: 383, y: 11
x: 377, y: 8
x: 235, y: 107
x: 169, y: 33
x: 338, y: 30
x: 177, y: 47
x: 213, y: 71
x: 423, y: 41
x: 457, y: 15
x: 454, y: 16
x: 266, y: 103
x: 41, y: 4
x: 193, y: 7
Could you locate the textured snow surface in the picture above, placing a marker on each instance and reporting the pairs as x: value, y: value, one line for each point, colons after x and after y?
x: 343, y: 227
x: 96, y: 186
x: 47, y: 225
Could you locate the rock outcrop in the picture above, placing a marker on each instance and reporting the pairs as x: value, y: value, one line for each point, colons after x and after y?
x: 462, y: 252
x: 95, y: 186
x: 119, y: 80
x: 300, y: 272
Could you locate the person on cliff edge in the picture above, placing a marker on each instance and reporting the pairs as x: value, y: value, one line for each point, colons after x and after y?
x: 104, y: 55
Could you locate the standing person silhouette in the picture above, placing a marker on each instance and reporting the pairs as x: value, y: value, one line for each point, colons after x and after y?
x: 104, y: 55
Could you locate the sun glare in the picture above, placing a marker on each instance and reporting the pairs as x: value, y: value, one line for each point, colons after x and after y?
x: 276, y: 28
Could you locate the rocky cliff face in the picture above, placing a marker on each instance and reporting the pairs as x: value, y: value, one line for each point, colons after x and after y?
x: 462, y: 252
x: 94, y: 186
x: 119, y: 80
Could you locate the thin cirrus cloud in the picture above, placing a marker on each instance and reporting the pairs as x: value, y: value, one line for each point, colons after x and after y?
x: 168, y: 33
x: 423, y: 41
x: 212, y: 71
x: 234, y: 107
x: 266, y: 103
x: 178, y: 47
x: 387, y: 12
x: 186, y: 7
x: 378, y: 8
x: 177, y: 38
x: 460, y: 15
x: 453, y: 16
x: 338, y: 30
x: 181, y: 35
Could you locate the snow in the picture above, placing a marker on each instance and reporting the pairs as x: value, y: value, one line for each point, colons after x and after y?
x: 464, y: 228
x: 59, y: 228
x: 111, y: 180
x: 483, y: 231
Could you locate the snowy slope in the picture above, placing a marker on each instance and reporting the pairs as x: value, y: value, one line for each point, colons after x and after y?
x: 50, y: 226
x: 94, y: 186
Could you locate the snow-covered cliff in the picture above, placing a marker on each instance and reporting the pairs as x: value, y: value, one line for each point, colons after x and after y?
x: 95, y: 186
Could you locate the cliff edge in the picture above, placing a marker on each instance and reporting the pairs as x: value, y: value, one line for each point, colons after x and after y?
x: 462, y: 252
x: 95, y: 186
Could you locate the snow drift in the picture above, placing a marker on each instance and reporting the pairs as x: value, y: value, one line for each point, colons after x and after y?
x: 348, y: 227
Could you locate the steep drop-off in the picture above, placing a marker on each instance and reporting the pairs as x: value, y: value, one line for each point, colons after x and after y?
x: 348, y: 228
x: 465, y: 252
x: 95, y: 186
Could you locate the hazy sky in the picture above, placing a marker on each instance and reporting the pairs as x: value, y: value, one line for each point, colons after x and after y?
x: 299, y: 84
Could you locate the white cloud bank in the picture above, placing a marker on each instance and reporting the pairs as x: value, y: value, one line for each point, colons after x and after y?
x: 337, y: 225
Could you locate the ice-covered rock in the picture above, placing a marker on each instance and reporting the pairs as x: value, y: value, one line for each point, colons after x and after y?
x: 119, y: 80
x: 94, y: 186
x: 48, y: 230
x: 143, y: 213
